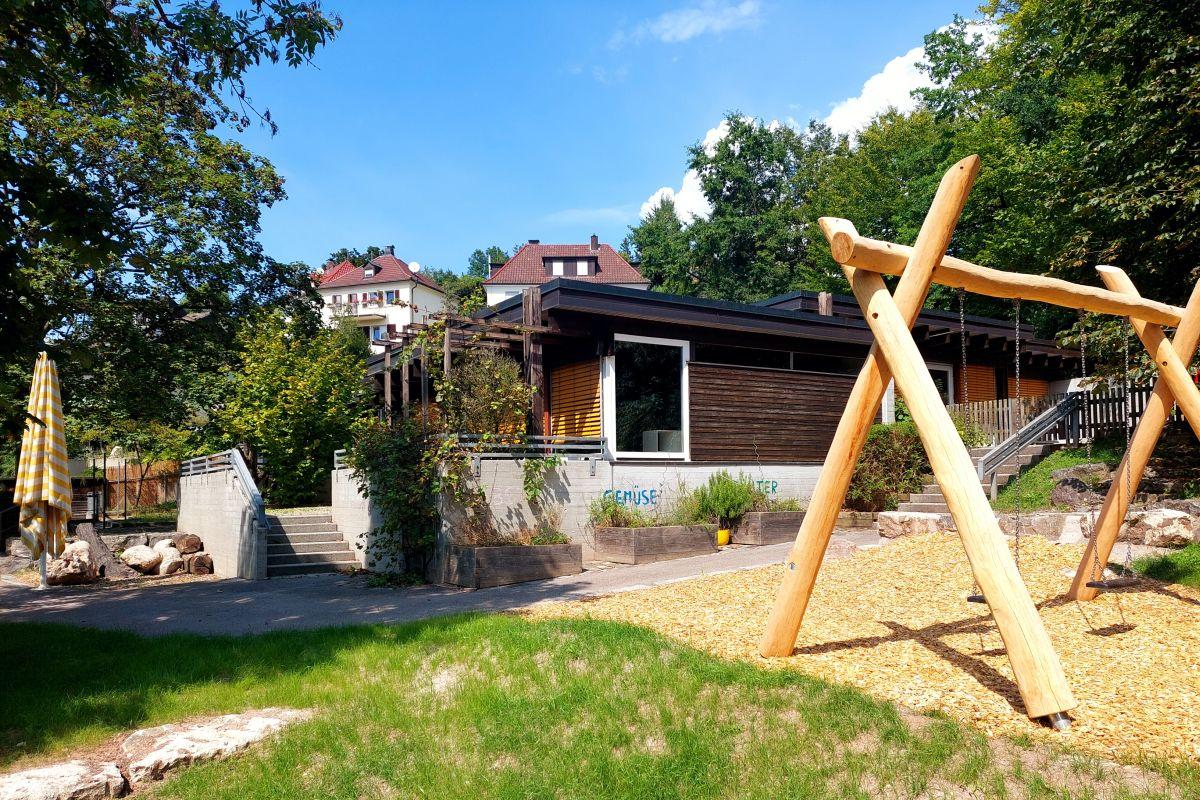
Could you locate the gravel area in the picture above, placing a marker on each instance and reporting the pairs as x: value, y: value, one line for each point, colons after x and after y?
x: 894, y: 621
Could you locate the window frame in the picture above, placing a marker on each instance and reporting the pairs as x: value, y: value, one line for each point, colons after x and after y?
x: 608, y: 400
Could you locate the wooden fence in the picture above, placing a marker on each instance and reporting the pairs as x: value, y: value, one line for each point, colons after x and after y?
x: 134, y: 486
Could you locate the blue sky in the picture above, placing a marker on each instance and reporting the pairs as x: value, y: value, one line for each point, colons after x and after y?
x: 444, y: 127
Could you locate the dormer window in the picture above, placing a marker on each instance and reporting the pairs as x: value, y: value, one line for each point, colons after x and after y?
x: 369, y: 270
x: 557, y: 267
x: 582, y: 267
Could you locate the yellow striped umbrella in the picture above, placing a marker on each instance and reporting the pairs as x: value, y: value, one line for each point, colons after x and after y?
x: 43, y: 483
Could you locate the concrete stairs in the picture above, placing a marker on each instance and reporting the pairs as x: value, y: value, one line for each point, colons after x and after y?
x: 930, y: 500
x: 303, y: 544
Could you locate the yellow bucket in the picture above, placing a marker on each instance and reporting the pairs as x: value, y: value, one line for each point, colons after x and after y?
x: 722, y: 537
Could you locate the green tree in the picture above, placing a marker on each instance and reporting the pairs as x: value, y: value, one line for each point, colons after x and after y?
x: 297, y: 392
x: 358, y: 258
x: 661, y: 246
x: 121, y: 205
x: 479, y: 264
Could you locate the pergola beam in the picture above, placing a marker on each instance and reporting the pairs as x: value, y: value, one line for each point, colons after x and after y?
x: 851, y: 249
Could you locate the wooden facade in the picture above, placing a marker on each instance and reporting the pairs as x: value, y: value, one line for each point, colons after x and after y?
x: 747, y: 414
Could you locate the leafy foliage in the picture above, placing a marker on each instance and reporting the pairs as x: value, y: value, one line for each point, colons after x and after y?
x: 724, y: 499
x: 892, y: 463
x: 297, y: 393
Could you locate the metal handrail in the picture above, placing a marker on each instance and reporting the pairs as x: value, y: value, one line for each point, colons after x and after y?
x: 1043, y: 422
x: 517, y: 446
x: 230, y: 460
x: 339, y: 459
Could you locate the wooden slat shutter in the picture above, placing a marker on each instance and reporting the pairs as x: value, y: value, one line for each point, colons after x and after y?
x: 575, y: 399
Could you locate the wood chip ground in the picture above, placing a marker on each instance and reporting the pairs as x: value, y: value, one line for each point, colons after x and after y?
x: 894, y: 622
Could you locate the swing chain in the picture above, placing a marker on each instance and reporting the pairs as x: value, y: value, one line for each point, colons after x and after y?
x: 1128, y: 567
x: 976, y: 595
x: 1020, y: 424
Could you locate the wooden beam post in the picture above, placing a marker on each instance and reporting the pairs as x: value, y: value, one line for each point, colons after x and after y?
x: 1141, y: 447
x: 531, y: 312
x: 1036, y: 667
x: 446, y: 360
x: 806, y: 554
x: 387, y: 381
x: 405, y: 385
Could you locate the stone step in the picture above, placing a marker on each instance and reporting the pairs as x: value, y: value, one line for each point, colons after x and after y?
x: 325, y: 557
x: 925, y: 508
x: 289, y: 548
x: 303, y: 527
x: 285, y: 570
x: 303, y: 538
x: 298, y: 519
x: 926, y: 497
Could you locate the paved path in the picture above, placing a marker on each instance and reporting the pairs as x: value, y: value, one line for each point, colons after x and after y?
x: 317, y: 601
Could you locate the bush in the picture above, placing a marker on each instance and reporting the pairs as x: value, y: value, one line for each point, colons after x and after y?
x: 723, y: 499
x: 607, y: 512
x: 893, y: 463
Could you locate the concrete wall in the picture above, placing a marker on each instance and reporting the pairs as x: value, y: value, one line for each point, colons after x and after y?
x: 213, y: 507
x: 357, y: 520
x: 647, y: 486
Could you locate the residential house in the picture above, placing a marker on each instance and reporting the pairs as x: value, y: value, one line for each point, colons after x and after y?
x: 536, y: 263
x: 383, y: 297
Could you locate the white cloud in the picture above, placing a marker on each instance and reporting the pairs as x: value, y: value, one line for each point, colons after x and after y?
x: 890, y: 88
x: 710, y: 16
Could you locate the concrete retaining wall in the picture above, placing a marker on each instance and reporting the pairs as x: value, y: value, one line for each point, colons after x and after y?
x: 647, y: 486
x: 357, y: 520
x: 212, y: 507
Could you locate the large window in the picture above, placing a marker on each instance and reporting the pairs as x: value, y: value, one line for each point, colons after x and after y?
x: 648, y: 388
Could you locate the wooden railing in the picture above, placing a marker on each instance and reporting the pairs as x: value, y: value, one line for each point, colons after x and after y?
x: 999, y: 420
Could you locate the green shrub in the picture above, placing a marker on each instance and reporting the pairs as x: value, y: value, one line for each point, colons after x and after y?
x: 607, y: 512
x: 723, y: 499
x: 893, y: 463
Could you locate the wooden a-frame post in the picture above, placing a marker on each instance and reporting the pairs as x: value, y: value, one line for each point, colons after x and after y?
x: 1141, y: 445
x: 804, y: 559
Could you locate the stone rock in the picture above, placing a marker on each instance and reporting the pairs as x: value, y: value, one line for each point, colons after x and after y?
x: 154, y: 752
x: 1161, y: 527
x: 73, y: 780
x: 16, y: 547
x: 894, y: 524
x: 123, y: 541
x: 199, y: 563
x: 1091, y: 474
x: 1075, y: 529
x: 73, y: 567
x: 1073, y: 493
x: 154, y: 539
x: 1191, y: 507
x: 162, y: 544
x: 142, y: 558
x: 187, y: 543
x: 172, y: 561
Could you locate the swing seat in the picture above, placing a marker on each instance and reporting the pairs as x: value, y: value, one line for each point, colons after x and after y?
x: 1120, y: 582
x: 976, y: 598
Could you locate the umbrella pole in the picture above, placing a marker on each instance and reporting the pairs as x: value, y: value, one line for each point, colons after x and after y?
x: 42, y: 584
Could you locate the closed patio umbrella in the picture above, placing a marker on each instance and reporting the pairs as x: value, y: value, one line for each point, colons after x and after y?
x: 43, y: 483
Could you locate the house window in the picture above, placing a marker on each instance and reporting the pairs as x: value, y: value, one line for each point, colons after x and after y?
x: 943, y: 379
x: 581, y: 267
x: 647, y: 387
x: 511, y: 293
x: 337, y: 299
x: 556, y: 268
x: 391, y: 296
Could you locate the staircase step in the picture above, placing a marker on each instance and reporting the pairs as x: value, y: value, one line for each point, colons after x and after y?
x: 926, y: 497
x: 285, y: 570
x: 925, y: 508
x: 291, y: 548
x: 303, y: 527
x: 327, y: 557
x: 303, y: 538
x: 300, y: 519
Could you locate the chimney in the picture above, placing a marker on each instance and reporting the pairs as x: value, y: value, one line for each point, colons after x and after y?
x: 389, y: 250
x: 495, y: 267
x: 825, y: 304
x: 595, y: 243
x: 535, y: 241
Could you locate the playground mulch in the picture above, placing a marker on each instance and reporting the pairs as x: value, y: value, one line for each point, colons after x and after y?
x: 894, y: 621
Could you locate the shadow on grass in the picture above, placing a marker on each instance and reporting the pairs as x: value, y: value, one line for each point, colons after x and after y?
x: 59, y: 679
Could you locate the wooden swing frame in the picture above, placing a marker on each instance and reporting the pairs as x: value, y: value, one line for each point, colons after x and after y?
x: 895, y: 356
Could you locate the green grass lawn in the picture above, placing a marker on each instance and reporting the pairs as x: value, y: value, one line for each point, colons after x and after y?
x: 1037, y: 483
x: 497, y: 706
x: 1181, y: 566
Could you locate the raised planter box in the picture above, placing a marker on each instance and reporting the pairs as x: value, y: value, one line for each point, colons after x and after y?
x: 647, y: 545
x: 767, y: 527
x: 481, y: 567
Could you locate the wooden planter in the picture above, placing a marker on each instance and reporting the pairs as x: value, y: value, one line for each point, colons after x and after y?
x: 646, y: 545
x: 481, y: 567
x: 767, y: 527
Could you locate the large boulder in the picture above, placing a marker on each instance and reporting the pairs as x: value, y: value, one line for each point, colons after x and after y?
x: 894, y: 524
x: 73, y: 780
x: 75, y: 566
x: 142, y: 558
x: 1160, y: 527
x: 1073, y: 493
x: 123, y: 541
x: 187, y: 543
x: 1091, y: 474
x: 198, y: 563
x: 155, y: 752
x: 172, y: 561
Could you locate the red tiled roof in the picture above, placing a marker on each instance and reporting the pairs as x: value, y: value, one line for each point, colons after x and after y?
x: 388, y: 268
x: 527, y: 266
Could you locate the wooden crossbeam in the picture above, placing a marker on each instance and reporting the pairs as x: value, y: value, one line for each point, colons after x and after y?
x: 1036, y: 667
x: 851, y: 249
x: 812, y: 540
x: 1133, y: 464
